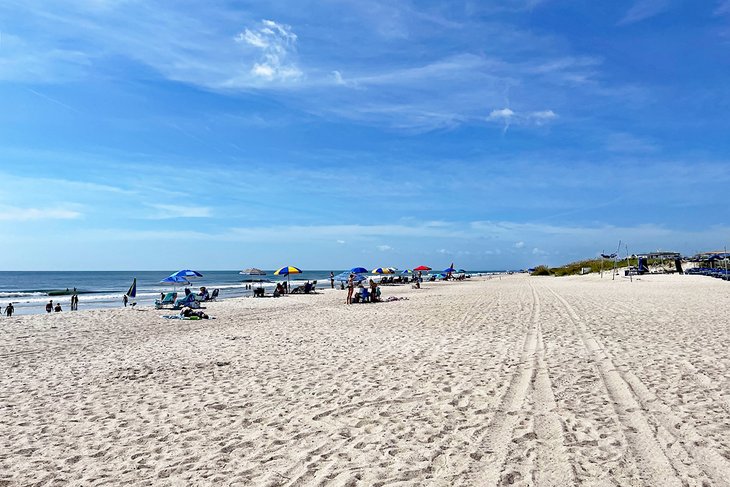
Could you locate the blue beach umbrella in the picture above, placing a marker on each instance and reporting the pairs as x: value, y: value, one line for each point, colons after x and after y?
x: 187, y: 274
x: 175, y: 281
x: 358, y: 270
x: 344, y: 276
x: 449, y: 269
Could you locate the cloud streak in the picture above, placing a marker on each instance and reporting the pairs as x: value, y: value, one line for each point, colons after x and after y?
x: 645, y: 9
x: 16, y: 214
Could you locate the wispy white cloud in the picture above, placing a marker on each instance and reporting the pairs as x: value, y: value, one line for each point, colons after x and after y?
x: 277, y: 44
x: 384, y: 248
x: 201, y: 47
x: 507, y: 117
x: 9, y: 213
x: 723, y: 7
x: 644, y: 9
x: 501, y: 114
x: 164, y: 212
x: 541, y: 117
x: 31, y: 60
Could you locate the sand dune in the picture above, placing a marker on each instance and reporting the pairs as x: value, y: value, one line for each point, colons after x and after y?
x: 511, y: 381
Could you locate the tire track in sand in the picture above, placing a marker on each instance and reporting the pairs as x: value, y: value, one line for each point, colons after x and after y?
x: 553, y: 464
x: 652, y: 430
x: 498, y: 443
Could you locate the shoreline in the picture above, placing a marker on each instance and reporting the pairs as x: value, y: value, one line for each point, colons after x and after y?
x: 551, y: 381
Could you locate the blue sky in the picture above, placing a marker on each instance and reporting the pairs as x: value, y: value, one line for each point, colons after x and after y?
x: 494, y: 134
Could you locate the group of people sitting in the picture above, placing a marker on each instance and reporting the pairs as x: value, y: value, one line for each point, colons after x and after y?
x: 281, y: 288
x: 363, y: 294
x: 394, y: 280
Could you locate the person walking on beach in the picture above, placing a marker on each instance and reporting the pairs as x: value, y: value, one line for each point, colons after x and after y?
x: 125, y: 300
x: 49, y: 306
x: 332, y: 279
x: 9, y: 310
x: 350, y: 287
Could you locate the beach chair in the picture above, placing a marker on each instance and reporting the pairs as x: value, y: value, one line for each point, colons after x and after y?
x: 214, y: 295
x: 169, y: 299
x: 191, y: 301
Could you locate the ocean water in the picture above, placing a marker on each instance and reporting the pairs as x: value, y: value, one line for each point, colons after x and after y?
x: 30, y: 291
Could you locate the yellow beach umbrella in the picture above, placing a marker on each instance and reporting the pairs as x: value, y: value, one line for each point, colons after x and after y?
x: 286, y: 271
x: 383, y: 270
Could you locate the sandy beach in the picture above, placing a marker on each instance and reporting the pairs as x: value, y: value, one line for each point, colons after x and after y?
x: 505, y: 381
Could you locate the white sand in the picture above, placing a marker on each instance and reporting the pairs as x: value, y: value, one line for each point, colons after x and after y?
x: 522, y: 381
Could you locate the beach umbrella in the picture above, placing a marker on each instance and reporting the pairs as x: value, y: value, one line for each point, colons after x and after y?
x: 382, y: 270
x: 358, y: 270
x: 406, y: 271
x: 449, y: 269
x: 422, y: 268
x: 344, y: 276
x: 175, y: 281
x: 252, y: 271
x: 286, y: 271
x: 187, y: 274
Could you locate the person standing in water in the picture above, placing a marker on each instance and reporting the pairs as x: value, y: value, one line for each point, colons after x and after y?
x: 332, y: 279
x: 49, y: 306
x: 125, y: 300
x: 9, y: 310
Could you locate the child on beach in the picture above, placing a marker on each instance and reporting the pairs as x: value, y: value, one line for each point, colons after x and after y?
x: 49, y: 306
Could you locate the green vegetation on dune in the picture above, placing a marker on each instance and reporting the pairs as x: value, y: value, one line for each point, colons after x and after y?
x: 575, y: 267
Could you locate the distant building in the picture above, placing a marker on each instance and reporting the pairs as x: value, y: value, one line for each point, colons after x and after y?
x: 660, y: 255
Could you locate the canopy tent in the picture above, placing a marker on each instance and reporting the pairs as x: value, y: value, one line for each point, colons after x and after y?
x: 252, y: 271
